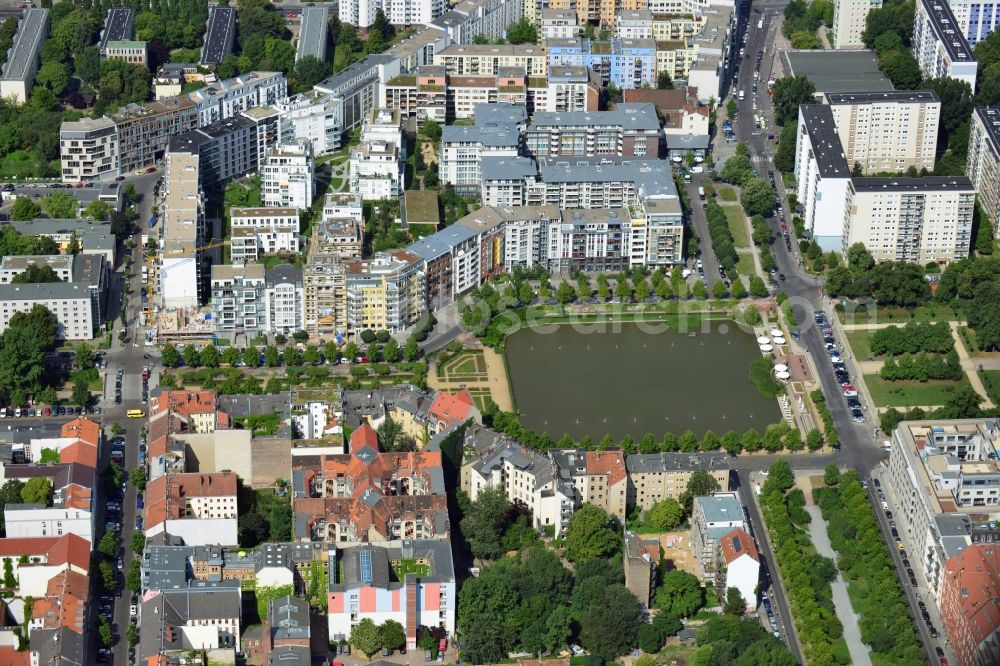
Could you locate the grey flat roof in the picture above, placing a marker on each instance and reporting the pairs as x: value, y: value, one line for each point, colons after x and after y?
x: 827, y: 149
x: 312, y: 34
x: 655, y: 177
x: 839, y: 71
x: 442, y: 242
x: 947, y: 30
x: 27, y: 43
x: 44, y: 291
x: 990, y: 117
x: 353, y: 70
x: 686, y: 142
x: 507, y: 168
x: 674, y: 462
x: 884, y: 96
x: 219, y: 35
x: 720, y: 508
x: 117, y: 26
x: 927, y: 183
x: 641, y: 116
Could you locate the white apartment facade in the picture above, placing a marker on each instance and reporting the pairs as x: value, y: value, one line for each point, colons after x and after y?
x: 288, y: 178
x: 822, y: 175
x: 976, y: 18
x: 911, y: 219
x: 938, y: 44
x: 224, y: 99
x: 887, y: 131
x: 558, y: 24
x: 634, y: 24
x: 71, y: 303
x: 376, y: 165
x: 849, y: 22
x: 89, y: 149
x: 35, y: 520
x: 262, y: 231
x: 983, y: 162
x: 285, y: 300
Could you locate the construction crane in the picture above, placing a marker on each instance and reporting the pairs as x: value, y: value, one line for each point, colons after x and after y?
x: 151, y: 261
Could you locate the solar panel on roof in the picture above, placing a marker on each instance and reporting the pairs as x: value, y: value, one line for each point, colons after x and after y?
x: 737, y: 546
x: 366, y: 566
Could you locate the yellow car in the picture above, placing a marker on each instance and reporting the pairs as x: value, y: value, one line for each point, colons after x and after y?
x: 135, y: 413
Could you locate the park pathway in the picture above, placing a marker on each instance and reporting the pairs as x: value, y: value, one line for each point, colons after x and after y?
x: 841, y: 602
x: 969, y: 366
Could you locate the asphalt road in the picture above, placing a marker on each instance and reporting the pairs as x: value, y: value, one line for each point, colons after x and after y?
x: 700, y: 225
x: 130, y: 357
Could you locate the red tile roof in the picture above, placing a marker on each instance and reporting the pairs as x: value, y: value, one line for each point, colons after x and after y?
x: 970, y: 598
x: 79, y: 452
x: 611, y: 463
x: 67, y: 549
x: 364, y: 436
x: 452, y: 409
x: 165, y: 495
x: 9, y: 656
x: 83, y: 429
x: 736, y: 544
x: 71, y: 549
x: 65, y: 602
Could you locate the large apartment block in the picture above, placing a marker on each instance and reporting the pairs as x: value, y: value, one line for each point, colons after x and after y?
x: 849, y: 22
x: 369, y: 495
x: 939, y: 45
x: 488, y: 59
x: 287, y: 176
x: 945, y: 482
x: 180, y: 269
x: 887, y: 131
x: 142, y: 132
x: 631, y: 130
x: 89, y: 149
x: 552, y: 485
x: 654, y: 477
x: 23, y: 57
x: 238, y: 299
x: 918, y: 220
x: 497, y: 133
x: 976, y: 18
x: 257, y: 232
x: 983, y: 161
x: 385, y: 291
x: 627, y: 63
x: 822, y: 174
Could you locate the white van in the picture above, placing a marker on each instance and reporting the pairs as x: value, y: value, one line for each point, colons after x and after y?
x: 743, y: 94
x: 887, y: 445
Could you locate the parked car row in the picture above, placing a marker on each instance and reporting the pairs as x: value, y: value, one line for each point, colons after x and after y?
x: 766, y: 603
x: 45, y: 410
x: 848, y: 390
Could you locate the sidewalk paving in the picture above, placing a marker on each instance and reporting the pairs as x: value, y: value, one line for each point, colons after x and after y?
x: 969, y: 366
x: 841, y: 601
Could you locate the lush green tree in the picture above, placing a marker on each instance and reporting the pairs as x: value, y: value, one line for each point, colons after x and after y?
x: 366, y: 637
x: 37, y: 490
x: 565, y: 293
x: 901, y: 68
x: 666, y: 514
x: 610, y: 629
x: 169, y: 355
x: 589, y: 534
x: 663, y: 82
x: 392, y: 635
x: 24, y: 209
x: 104, y: 632
x: 54, y: 76
x: 109, y: 578
x: 309, y: 71
x: 36, y: 273
x: 108, y: 545
x: 757, y: 196
x: 699, y: 484
x: 680, y: 594
x: 484, y: 523
x: 788, y: 93
x: 757, y: 287
x: 138, y: 542
x: 735, y: 605
x: 209, y: 356
x: 780, y: 477
x: 522, y: 32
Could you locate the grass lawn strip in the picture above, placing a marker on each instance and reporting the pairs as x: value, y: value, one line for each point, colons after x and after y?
x: 910, y: 393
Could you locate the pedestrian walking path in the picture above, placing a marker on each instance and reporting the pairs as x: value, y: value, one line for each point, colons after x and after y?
x: 969, y: 366
x: 841, y: 601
